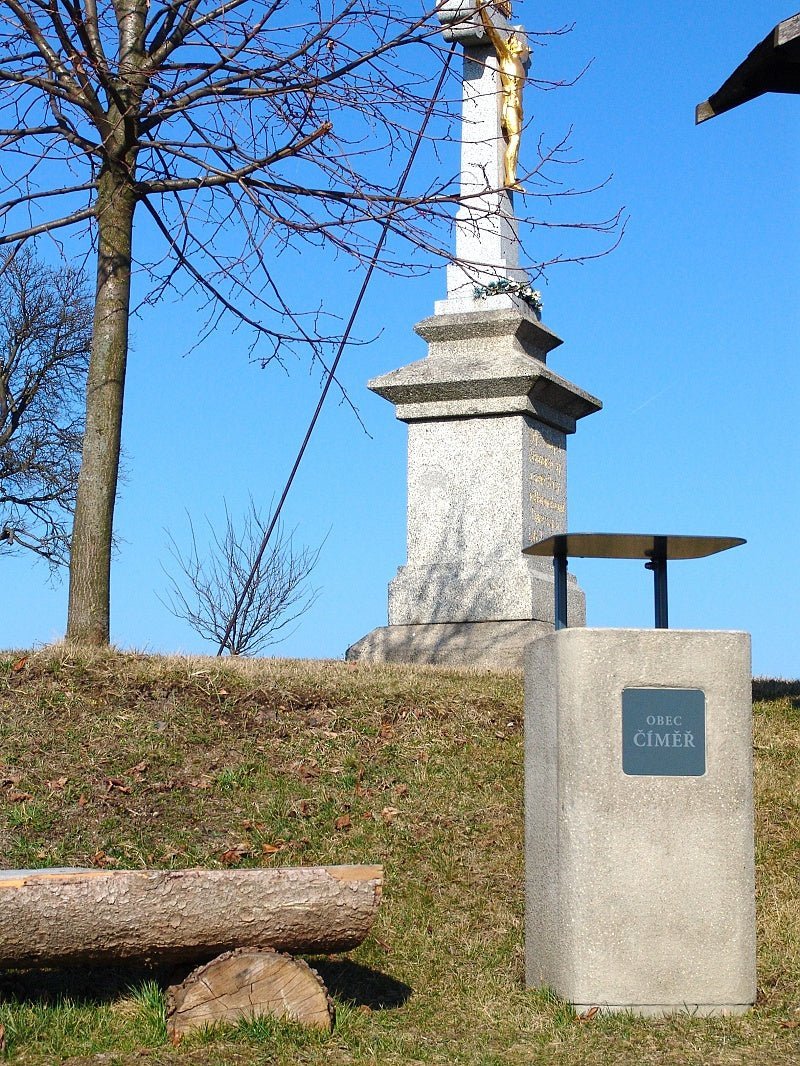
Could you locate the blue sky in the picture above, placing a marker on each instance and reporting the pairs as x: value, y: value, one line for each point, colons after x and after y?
x: 688, y: 333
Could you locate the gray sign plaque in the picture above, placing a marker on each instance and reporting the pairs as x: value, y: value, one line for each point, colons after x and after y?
x: 664, y: 732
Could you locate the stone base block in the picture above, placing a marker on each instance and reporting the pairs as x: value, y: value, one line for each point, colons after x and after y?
x: 485, y: 645
x: 487, y: 591
x: 639, y: 820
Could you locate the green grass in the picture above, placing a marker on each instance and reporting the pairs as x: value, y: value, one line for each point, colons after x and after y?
x: 131, y: 761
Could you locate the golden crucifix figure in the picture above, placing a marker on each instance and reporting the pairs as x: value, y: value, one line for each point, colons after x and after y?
x: 512, y: 57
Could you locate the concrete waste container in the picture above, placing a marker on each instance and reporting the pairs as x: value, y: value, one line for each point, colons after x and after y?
x: 639, y: 809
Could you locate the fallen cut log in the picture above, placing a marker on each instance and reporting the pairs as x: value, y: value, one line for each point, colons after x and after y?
x: 57, y: 916
x: 248, y: 984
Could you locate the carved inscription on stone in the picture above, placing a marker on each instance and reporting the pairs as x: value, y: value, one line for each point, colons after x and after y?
x: 545, y: 483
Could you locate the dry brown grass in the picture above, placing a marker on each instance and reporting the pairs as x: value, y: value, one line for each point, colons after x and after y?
x: 138, y: 760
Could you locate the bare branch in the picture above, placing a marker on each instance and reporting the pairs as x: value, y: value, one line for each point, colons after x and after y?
x: 47, y: 227
x: 233, y: 177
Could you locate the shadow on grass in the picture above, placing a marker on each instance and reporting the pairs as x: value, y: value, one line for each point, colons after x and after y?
x: 84, y: 985
x: 350, y: 982
x: 361, y: 986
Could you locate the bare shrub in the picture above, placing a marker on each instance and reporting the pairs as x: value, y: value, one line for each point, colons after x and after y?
x: 209, y: 581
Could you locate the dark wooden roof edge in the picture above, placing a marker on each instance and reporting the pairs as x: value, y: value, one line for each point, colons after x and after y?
x: 787, y: 31
x: 772, y: 66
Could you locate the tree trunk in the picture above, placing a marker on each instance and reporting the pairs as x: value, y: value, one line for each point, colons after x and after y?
x: 248, y: 984
x: 90, y: 553
x: 58, y: 916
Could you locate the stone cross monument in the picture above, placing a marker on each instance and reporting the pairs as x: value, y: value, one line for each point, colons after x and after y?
x: 487, y: 419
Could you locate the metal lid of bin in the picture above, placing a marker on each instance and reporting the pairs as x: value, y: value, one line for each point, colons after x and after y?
x: 631, y: 546
x: 656, y: 548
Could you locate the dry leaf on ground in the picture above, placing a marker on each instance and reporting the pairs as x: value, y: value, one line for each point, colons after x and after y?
x: 101, y: 859
x: 116, y: 783
x: 233, y: 856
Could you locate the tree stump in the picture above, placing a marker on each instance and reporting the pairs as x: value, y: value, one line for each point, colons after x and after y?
x: 248, y: 983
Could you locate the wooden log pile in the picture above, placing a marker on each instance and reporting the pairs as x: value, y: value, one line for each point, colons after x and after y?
x: 239, y: 923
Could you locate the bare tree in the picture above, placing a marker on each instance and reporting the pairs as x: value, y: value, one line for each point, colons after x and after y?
x: 238, y: 128
x: 205, y: 593
x: 45, y: 338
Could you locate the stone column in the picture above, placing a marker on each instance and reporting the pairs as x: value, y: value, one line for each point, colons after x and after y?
x: 486, y: 229
x: 487, y: 423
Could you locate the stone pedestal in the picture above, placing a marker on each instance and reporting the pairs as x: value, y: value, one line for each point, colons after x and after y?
x: 488, y: 423
x: 639, y: 820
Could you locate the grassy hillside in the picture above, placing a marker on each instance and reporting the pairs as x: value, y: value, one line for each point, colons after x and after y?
x: 130, y: 761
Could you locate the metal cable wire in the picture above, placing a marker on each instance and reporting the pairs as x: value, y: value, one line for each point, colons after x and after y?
x: 340, y: 350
